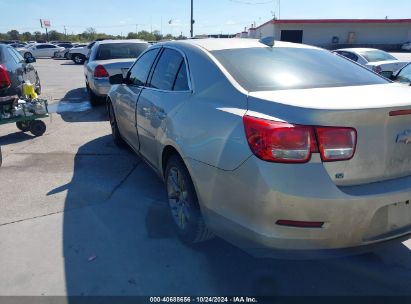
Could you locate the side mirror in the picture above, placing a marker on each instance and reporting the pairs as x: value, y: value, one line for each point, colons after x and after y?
x: 30, y: 60
x: 116, y: 79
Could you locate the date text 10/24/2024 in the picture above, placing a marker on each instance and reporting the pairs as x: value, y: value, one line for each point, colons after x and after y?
x: 203, y: 300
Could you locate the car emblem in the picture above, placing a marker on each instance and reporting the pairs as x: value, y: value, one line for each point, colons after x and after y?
x: 404, y: 138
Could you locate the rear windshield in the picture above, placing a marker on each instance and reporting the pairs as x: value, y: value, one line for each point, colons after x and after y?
x: 120, y: 50
x: 265, y: 69
x: 375, y: 56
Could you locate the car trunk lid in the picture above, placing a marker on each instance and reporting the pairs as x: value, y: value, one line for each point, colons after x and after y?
x: 383, y: 141
x: 116, y: 66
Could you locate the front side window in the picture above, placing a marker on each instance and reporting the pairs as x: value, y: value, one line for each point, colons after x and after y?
x: 166, y: 70
x: 139, y: 71
x: 282, y: 68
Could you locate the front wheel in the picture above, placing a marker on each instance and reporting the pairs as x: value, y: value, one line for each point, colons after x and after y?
x: 183, y: 203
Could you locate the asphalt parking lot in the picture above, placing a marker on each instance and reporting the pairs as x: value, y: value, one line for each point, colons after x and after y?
x: 80, y: 216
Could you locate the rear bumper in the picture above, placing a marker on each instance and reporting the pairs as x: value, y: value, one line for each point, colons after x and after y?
x: 100, y: 86
x: 243, y: 207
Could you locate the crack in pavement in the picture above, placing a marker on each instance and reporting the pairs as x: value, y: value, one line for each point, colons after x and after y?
x: 123, y: 180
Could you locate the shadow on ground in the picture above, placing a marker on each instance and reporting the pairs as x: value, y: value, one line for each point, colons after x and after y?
x: 75, y: 107
x: 118, y: 240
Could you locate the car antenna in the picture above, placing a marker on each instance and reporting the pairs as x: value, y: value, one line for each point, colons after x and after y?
x: 268, y: 41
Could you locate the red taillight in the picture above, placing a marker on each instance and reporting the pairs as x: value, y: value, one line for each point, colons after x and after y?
x: 279, y: 142
x: 287, y: 143
x: 4, y: 77
x: 377, y: 69
x: 100, y: 72
x: 336, y: 144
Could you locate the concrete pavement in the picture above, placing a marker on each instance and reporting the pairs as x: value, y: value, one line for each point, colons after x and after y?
x: 80, y: 216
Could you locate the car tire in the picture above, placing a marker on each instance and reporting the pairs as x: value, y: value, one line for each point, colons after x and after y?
x: 66, y: 55
x: 27, y: 55
x: 23, y: 126
x: 115, y: 132
x: 37, y: 128
x: 94, y: 99
x: 78, y: 58
x: 183, y: 203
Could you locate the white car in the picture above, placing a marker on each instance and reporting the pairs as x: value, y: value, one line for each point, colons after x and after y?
x: 39, y: 50
x: 373, y: 59
x: 406, y: 46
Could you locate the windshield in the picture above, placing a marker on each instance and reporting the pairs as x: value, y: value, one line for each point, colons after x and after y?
x: 376, y: 55
x: 120, y: 50
x: 263, y: 69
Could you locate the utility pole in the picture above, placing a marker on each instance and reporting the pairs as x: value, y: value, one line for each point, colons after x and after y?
x: 136, y: 29
x: 279, y: 9
x: 65, y: 31
x: 192, y: 20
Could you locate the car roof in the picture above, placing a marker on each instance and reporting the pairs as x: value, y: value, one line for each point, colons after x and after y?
x: 120, y: 41
x: 215, y: 44
x: 357, y: 50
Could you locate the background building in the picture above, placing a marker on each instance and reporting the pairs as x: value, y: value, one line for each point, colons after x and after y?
x: 387, y: 34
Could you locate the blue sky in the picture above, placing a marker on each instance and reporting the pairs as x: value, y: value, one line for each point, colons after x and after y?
x: 212, y: 16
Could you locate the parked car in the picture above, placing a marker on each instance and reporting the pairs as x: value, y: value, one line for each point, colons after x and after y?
x: 63, y: 53
x: 406, y: 46
x: 79, y: 54
x: 277, y: 149
x: 17, y: 45
x: 39, y: 50
x: 109, y: 57
x: 14, y: 70
x: 403, y: 75
x: 373, y: 59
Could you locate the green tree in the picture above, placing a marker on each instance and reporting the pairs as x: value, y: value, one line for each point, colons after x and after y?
x: 37, y: 35
x: 13, y: 35
x: 54, y: 35
x: 26, y: 36
x: 132, y: 35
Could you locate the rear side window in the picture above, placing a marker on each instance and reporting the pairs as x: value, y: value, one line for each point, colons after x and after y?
x: 120, y: 50
x: 349, y: 55
x: 16, y: 56
x: 166, y: 70
x: 139, y: 71
x: 181, y: 82
x: 278, y: 68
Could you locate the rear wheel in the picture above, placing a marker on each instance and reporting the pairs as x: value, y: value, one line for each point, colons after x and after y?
x: 27, y: 55
x: 37, y: 127
x: 118, y: 140
x: 78, y: 58
x: 23, y: 126
x: 183, y: 203
x: 94, y: 99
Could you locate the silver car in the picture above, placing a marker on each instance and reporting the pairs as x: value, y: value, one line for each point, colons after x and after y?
x: 275, y: 148
x: 106, y: 58
x: 376, y: 60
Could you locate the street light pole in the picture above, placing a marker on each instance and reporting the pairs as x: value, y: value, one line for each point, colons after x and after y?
x: 192, y: 20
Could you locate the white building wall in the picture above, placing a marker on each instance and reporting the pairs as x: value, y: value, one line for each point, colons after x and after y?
x: 322, y: 34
